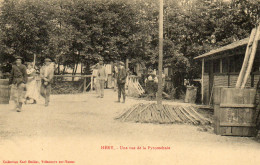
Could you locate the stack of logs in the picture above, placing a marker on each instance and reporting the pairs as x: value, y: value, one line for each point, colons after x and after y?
x: 163, y: 114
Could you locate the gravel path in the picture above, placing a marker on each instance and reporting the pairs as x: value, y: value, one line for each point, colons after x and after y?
x: 75, y: 127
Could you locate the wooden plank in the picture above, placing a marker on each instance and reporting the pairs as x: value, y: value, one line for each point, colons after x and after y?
x: 224, y: 95
x: 217, y: 126
x: 180, y: 115
x: 217, y: 95
x: 246, y: 59
x: 237, y: 105
x: 238, y: 96
x: 80, y: 87
x: 173, y: 113
x: 237, y: 124
x: 238, y: 131
x: 246, y: 97
x: 202, y: 80
x: 188, y: 110
x: 198, y: 115
x: 92, y: 83
x: 252, y: 57
x: 82, y: 76
x: 188, y: 116
x: 252, y: 95
x: 225, y: 131
x: 88, y: 86
x: 216, y: 118
x: 84, y: 84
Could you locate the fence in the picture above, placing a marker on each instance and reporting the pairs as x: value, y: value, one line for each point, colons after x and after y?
x: 71, y: 84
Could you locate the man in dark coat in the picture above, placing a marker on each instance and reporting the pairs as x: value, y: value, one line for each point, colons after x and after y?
x: 18, y: 79
x: 121, y: 80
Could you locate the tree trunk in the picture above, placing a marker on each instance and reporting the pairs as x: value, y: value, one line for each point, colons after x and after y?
x: 81, y: 68
x: 58, y: 68
x: 64, y: 67
x: 160, y: 64
x: 76, y: 68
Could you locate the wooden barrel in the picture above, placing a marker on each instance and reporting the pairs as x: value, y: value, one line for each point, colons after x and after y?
x: 191, y: 94
x: 236, y: 113
x: 4, y: 91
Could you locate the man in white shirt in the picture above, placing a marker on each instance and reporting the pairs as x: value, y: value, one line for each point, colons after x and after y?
x: 46, y: 74
x: 102, y: 77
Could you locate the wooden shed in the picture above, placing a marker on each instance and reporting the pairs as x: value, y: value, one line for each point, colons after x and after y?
x: 221, y: 67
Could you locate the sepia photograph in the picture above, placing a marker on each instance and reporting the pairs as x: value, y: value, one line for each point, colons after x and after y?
x: 129, y: 82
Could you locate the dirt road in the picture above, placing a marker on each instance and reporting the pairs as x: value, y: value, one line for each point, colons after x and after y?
x: 77, y: 129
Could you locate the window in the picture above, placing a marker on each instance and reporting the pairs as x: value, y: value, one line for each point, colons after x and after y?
x: 239, y: 62
x: 236, y: 63
x: 256, y: 65
x: 225, y: 65
x: 216, y: 66
x: 206, y: 67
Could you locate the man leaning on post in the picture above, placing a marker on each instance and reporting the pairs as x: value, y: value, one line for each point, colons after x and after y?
x: 18, y: 79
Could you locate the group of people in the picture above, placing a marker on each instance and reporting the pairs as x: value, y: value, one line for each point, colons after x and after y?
x: 24, y: 86
x: 119, y: 75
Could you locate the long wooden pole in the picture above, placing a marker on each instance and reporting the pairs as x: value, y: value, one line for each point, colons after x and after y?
x: 252, y: 57
x: 34, y: 60
x: 246, y: 59
x: 202, y: 80
x: 159, y: 93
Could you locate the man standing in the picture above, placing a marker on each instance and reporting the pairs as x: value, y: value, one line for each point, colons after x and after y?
x: 115, y: 73
x: 121, y: 80
x: 18, y: 79
x: 102, y: 77
x: 46, y: 74
x: 95, y: 77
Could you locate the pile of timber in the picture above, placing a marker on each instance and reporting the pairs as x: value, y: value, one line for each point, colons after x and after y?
x: 163, y: 114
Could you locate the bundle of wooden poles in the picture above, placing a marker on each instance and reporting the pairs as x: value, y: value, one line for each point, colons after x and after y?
x: 163, y: 114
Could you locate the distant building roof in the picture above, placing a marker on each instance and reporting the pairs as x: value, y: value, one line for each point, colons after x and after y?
x: 231, y: 46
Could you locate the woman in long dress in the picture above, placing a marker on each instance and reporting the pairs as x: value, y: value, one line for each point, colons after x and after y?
x: 32, y: 93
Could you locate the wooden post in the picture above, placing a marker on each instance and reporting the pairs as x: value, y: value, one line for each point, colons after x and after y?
x: 221, y: 65
x: 34, y: 60
x: 159, y: 93
x: 91, y: 83
x: 202, y: 80
x: 127, y: 64
x: 84, y: 85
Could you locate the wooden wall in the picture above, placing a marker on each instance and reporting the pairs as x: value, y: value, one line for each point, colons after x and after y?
x: 225, y: 80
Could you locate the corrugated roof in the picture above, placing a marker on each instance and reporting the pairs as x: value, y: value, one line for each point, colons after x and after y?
x: 233, y: 45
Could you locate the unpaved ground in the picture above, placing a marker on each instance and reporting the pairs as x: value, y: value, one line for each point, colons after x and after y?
x: 74, y: 127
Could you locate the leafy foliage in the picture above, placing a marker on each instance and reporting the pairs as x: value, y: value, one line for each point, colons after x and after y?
x: 84, y: 31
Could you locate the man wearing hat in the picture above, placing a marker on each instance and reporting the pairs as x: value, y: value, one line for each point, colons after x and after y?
x: 102, y: 77
x: 46, y: 74
x: 95, y: 75
x: 121, y: 80
x: 18, y: 79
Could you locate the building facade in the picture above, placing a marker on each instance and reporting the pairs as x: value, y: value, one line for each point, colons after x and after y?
x: 221, y: 67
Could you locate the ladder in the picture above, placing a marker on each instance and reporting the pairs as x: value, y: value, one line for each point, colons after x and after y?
x: 249, y: 58
x: 134, y: 87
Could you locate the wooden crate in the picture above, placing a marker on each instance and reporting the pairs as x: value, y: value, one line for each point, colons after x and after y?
x: 216, y: 105
x: 4, y: 91
x: 235, y: 115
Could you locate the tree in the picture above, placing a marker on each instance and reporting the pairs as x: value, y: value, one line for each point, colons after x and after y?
x: 25, y: 27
